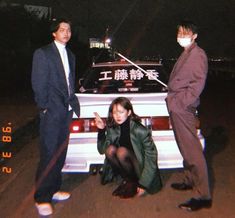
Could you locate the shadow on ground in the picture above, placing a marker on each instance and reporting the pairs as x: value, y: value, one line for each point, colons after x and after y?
x: 216, y: 142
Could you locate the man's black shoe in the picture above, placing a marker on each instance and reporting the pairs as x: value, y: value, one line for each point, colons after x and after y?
x: 196, y: 204
x: 181, y: 186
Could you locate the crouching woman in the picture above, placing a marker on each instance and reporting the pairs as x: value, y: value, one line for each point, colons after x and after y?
x: 130, y: 152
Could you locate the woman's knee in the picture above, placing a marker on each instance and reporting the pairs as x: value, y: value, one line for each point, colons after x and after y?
x: 122, y: 153
x: 111, y: 151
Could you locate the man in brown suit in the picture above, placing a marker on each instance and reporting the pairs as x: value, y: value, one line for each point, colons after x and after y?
x: 185, y: 85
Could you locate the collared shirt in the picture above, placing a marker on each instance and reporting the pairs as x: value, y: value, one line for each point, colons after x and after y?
x: 64, y: 58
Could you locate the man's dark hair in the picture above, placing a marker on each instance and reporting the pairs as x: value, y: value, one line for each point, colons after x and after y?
x: 188, y: 25
x: 55, y: 24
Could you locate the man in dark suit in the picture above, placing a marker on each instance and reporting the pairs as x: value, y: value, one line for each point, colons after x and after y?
x: 53, y: 78
x: 187, y: 80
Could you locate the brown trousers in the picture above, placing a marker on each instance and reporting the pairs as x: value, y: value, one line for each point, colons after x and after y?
x: 195, y: 167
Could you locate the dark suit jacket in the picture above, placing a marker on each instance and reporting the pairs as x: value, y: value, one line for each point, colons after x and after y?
x: 187, y: 79
x: 49, y: 82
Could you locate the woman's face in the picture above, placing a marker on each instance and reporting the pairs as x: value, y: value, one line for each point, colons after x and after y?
x: 120, y: 114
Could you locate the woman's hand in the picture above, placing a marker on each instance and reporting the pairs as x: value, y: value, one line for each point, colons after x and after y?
x: 98, y: 121
x: 140, y: 192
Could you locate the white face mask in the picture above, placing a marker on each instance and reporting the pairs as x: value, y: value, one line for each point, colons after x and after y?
x: 184, y: 42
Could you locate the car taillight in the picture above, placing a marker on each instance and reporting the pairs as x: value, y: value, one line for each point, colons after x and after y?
x: 77, y: 126
x: 197, y: 123
x: 153, y: 123
x: 161, y: 123
x: 83, y: 125
x: 164, y: 123
x: 157, y: 123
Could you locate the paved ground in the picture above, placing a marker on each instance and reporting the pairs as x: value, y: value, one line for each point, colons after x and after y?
x: 92, y: 200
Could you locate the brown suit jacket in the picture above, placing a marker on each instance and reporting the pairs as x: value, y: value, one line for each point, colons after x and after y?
x: 187, y: 79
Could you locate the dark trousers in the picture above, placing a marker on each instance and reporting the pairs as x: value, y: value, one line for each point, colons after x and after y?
x: 54, y: 135
x: 195, y: 167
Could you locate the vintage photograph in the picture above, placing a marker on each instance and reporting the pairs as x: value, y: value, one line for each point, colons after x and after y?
x: 117, y: 108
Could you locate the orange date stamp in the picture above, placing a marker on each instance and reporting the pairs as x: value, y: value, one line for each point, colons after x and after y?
x: 6, y: 132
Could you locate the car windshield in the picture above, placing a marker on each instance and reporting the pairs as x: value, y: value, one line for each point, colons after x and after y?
x: 124, y: 78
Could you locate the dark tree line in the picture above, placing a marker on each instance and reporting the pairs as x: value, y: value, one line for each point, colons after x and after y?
x: 21, y: 33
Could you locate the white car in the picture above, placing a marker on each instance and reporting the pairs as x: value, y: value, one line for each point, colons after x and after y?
x: 107, y: 81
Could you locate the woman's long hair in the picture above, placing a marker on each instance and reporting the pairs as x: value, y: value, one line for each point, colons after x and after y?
x: 125, y: 103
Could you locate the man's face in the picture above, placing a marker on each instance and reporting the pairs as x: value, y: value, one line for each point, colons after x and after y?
x: 183, y: 33
x: 185, y: 37
x: 63, y: 34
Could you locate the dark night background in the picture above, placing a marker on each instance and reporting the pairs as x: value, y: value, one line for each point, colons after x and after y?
x: 138, y: 28
x: 148, y: 27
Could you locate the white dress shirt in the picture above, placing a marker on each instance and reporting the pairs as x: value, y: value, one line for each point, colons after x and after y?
x: 64, y: 58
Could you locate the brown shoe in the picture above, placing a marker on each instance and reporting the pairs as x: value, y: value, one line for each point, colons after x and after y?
x: 129, y: 190
x: 119, y: 189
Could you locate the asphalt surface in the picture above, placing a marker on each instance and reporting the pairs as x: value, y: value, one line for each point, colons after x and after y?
x: 92, y: 200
